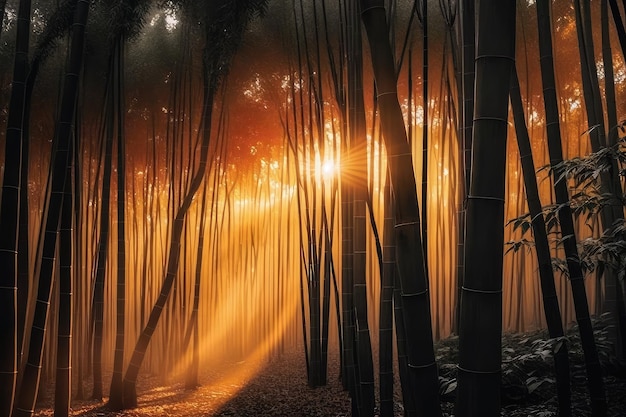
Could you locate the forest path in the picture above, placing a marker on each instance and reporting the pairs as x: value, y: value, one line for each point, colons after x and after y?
x: 277, y: 388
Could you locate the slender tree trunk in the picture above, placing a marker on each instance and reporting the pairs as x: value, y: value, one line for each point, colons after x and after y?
x: 386, y: 309
x: 619, y: 25
x: 115, y: 396
x: 356, y: 174
x: 480, y: 327
x: 614, y: 287
x: 546, y: 275
x: 191, y: 380
x: 81, y: 285
x: 103, y: 240
x: 63, y: 384
x: 425, y: 126
x: 10, y: 216
x: 576, y: 278
x: 410, y: 254
x: 467, y: 114
x: 30, y: 382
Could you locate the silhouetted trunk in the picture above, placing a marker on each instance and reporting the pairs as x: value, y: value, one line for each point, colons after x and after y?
x: 576, y: 277
x: 191, y: 335
x: 410, y: 254
x: 103, y: 240
x: 63, y: 383
x: 542, y: 248
x: 355, y: 172
x: 614, y: 287
x: 386, y: 308
x: 30, y: 382
x: 619, y: 25
x: 10, y: 216
x: 467, y: 19
x: 115, y: 395
x: 480, y: 326
x: 423, y: 18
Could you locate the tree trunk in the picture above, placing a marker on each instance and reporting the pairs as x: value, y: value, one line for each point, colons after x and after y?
x: 425, y: 106
x: 614, y: 287
x: 467, y: 113
x: 385, y: 342
x: 115, y: 393
x: 30, y: 382
x: 410, y: 255
x: 619, y: 25
x: 10, y: 216
x: 576, y: 278
x: 103, y: 240
x: 546, y: 275
x: 480, y: 327
x: 355, y: 172
x: 63, y: 383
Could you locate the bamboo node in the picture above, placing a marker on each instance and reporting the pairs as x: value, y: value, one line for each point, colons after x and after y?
x: 484, y: 197
x: 415, y: 294
x: 398, y: 225
x: 464, y: 288
x: 507, y: 57
x: 428, y: 365
x: 476, y: 372
x: 384, y: 93
x: 497, y: 119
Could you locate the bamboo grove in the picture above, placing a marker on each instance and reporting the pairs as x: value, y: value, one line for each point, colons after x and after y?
x: 192, y: 183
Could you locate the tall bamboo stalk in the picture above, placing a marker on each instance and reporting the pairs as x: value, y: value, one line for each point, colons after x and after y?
x: 30, y: 382
x: 576, y: 277
x: 410, y: 254
x: 115, y: 395
x: 355, y: 173
x: 10, y: 216
x: 480, y: 326
x: 548, y: 289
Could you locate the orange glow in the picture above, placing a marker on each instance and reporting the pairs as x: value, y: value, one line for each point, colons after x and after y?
x: 329, y: 169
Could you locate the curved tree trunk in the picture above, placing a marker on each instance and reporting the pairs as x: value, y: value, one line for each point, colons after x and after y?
x: 211, y: 80
x: 30, y: 382
x: 480, y: 327
x: 410, y: 254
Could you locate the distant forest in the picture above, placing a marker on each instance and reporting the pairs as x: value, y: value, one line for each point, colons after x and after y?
x: 190, y: 182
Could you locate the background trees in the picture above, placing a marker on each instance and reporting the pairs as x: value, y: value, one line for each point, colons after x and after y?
x: 279, y: 170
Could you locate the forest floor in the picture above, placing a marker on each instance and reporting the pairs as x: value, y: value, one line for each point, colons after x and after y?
x: 279, y: 387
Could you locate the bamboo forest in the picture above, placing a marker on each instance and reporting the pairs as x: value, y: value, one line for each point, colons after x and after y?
x: 312, y: 208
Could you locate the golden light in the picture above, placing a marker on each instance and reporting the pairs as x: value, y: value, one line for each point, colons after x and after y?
x: 329, y: 169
